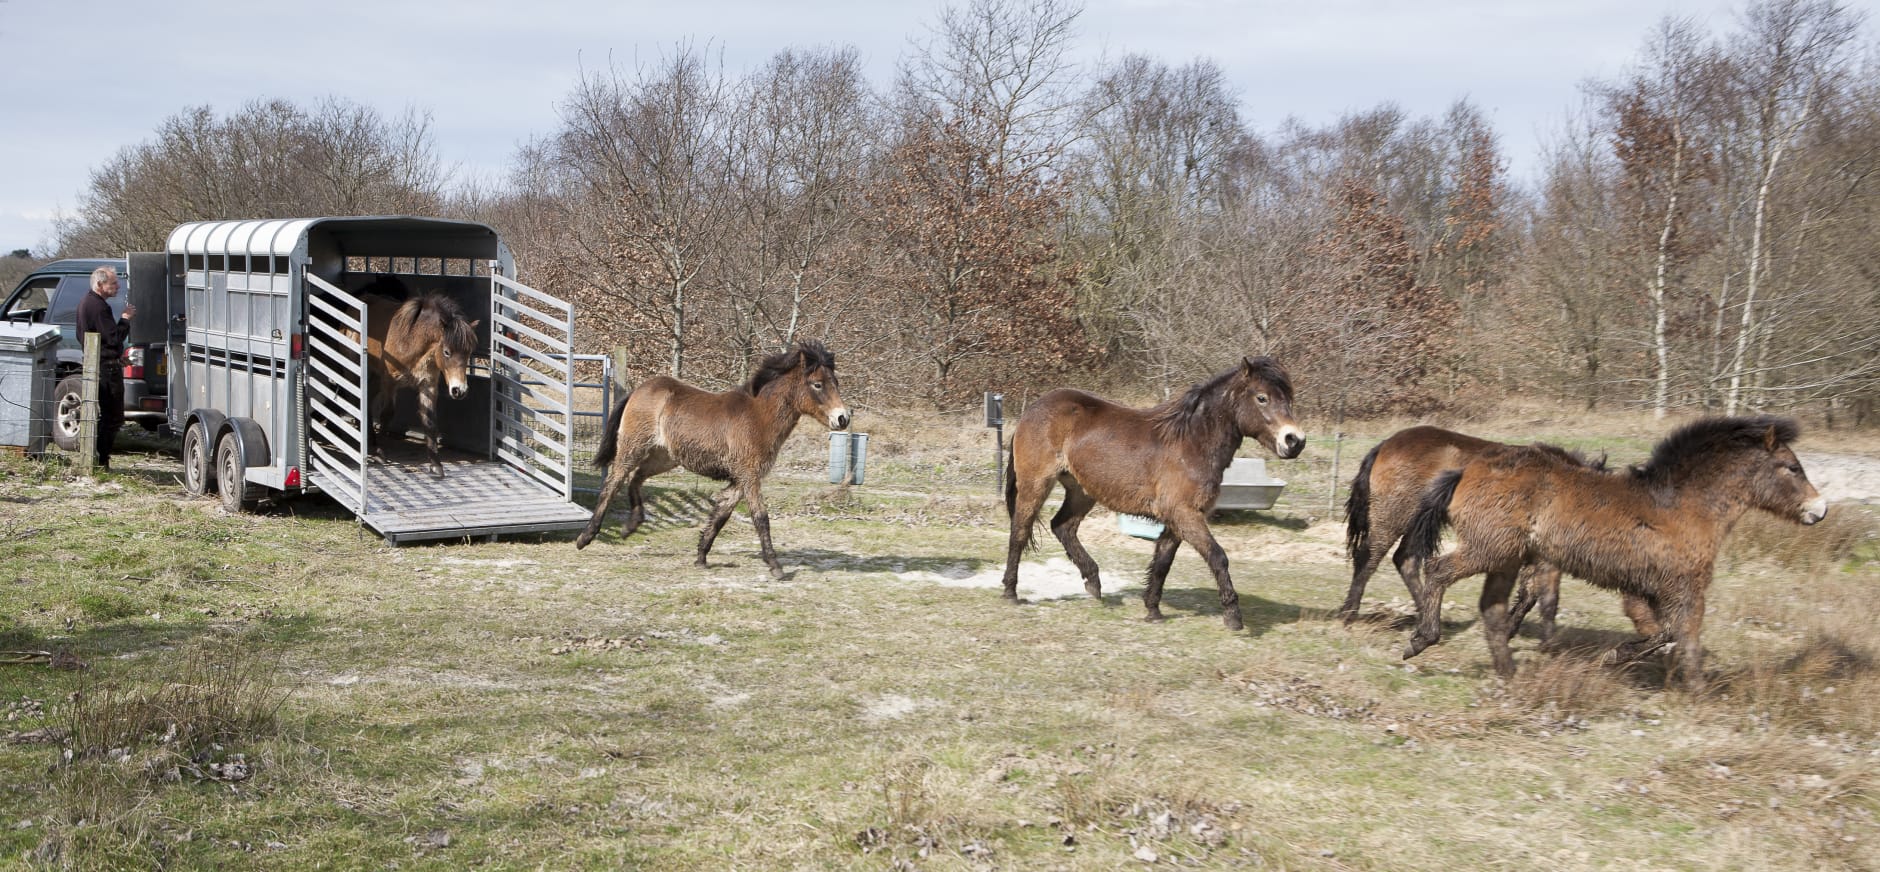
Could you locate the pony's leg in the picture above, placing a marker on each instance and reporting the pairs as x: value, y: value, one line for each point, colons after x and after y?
x: 1192, y: 526
x: 1494, y: 605
x: 636, y: 504
x: 760, y: 518
x: 1026, y: 504
x: 1360, y: 577
x: 1684, y: 620
x: 625, y: 467
x: 1159, y: 562
x: 1539, y: 584
x: 1439, y: 573
x: 380, y: 415
x: 427, y: 418
x: 1077, y: 504
x: 722, y: 505
x: 1644, y: 616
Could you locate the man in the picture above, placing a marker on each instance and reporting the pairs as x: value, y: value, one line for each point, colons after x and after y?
x: 94, y: 316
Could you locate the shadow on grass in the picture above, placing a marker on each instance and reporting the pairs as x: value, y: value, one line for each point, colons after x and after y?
x: 1258, y: 519
x: 825, y: 559
x: 120, y: 639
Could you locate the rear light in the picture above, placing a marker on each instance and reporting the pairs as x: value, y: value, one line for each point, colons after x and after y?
x: 293, y: 472
x: 134, y: 362
x: 153, y: 404
x: 297, y: 347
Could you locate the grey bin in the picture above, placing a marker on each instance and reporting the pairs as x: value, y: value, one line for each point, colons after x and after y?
x: 1244, y: 485
x: 848, y: 457
x: 28, y: 361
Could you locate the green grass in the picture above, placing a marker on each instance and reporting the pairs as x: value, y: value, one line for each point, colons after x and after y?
x: 523, y: 705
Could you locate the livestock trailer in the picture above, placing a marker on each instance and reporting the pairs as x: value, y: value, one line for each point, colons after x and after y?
x: 269, y: 374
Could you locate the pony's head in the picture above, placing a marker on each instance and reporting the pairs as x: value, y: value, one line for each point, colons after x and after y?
x: 1752, y: 450
x: 455, y: 344
x: 808, y: 373
x: 1264, y: 408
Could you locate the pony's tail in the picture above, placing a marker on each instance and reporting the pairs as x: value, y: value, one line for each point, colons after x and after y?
x: 1011, y: 486
x: 610, y: 433
x: 1358, y: 511
x: 1425, y: 532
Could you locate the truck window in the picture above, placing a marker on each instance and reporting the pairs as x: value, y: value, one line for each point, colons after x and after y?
x: 32, y: 301
x: 73, y: 289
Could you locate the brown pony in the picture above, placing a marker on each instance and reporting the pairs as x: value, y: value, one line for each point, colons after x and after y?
x: 1384, y: 496
x: 732, y: 437
x: 1652, y: 532
x: 1164, y: 462
x: 416, y: 344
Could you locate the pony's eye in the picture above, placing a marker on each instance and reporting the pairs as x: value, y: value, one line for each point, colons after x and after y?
x: 446, y: 352
x: 1261, y: 399
x: 815, y: 386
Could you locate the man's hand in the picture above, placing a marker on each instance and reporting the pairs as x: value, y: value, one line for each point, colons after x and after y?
x: 130, y: 311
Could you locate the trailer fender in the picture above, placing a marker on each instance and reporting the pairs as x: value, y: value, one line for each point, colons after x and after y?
x: 211, y: 421
x: 248, y: 437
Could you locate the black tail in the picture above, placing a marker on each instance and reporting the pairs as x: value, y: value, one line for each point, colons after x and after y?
x: 1425, y: 534
x: 1011, y: 486
x: 1358, y: 511
x: 610, y: 433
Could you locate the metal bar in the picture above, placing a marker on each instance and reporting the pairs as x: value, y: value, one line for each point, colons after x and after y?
x: 537, y: 416
x: 520, y: 288
x: 532, y: 333
x: 338, y: 381
x: 519, y: 347
x: 567, y: 416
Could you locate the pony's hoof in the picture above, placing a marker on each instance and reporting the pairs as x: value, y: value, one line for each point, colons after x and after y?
x: 1153, y: 617
x: 1233, y: 622
x: 1415, y: 647
x: 776, y: 573
x: 1094, y: 588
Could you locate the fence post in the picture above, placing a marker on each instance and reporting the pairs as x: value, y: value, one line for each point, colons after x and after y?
x: 88, y: 406
x: 1338, y: 445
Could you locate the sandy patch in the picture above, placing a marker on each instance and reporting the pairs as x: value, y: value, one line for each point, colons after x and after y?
x: 1055, y: 578
x: 1844, y: 477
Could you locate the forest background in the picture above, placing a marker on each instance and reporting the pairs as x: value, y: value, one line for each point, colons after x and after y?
x: 1699, y: 235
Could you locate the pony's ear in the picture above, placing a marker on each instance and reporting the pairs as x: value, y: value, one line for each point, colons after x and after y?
x: 1769, y: 439
x: 1246, y: 363
x: 473, y: 324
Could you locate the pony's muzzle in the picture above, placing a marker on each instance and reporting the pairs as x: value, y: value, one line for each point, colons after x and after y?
x: 839, y: 419
x: 1815, y: 511
x: 1291, y: 442
x: 457, y: 391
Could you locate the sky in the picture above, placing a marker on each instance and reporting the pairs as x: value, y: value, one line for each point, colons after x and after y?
x: 85, y: 79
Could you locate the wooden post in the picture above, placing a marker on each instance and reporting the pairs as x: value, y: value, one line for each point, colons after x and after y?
x: 1338, y: 442
x: 619, y: 355
x: 88, y: 406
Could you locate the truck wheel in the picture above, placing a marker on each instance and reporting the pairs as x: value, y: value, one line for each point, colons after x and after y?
x: 198, y: 469
x: 67, y: 400
x: 237, y: 494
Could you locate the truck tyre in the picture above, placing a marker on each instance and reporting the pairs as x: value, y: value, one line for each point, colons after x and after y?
x: 67, y: 401
x: 198, y: 466
x: 237, y: 494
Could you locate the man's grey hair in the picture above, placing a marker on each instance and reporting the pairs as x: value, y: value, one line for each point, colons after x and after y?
x: 101, y: 275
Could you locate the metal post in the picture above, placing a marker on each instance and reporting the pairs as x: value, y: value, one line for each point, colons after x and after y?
x: 998, y: 458
x: 88, y: 406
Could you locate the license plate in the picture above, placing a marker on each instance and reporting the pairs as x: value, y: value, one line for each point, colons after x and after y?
x: 163, y: 366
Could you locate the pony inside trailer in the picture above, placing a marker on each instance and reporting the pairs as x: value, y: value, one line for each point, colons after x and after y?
x: 273, y: 390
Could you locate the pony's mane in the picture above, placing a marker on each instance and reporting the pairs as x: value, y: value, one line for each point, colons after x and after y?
x: 1571, y: 456
x: 809, y: 353
x: 1191, y: 414
x: 1701, y: 441
x: 437, y: 308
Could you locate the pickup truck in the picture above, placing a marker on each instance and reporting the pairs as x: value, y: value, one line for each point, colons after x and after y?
x: 50, y: 295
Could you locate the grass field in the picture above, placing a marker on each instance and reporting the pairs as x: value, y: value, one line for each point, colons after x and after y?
x: 284, y: 691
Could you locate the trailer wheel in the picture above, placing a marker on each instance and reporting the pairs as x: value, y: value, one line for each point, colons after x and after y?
x: 67, y: 400
x: 198, y: 469
x: 237, y: 494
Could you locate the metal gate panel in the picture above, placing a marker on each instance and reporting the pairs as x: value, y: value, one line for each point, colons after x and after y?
x: 335, y: 392
x: 532, y: 376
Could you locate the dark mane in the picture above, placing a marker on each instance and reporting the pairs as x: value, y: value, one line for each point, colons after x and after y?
x: 1191, y: 415
x: 808, y: 353
x: 435, y: 308
x: 1701, y: 441
x: 1571, y: 456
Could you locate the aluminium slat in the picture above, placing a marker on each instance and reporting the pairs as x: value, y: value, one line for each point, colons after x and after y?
x: 556, y: 344
x: 345, y: 318
x: 336, y: 472
x: 507, y: 282
x: 337, y: 443
x: 515, y: 311
x: 337, y: 333
x: 537, y: 463
x: 485, y: 514
x: 333, y: 380
x: 336, y: 466
x: 529, y: 468
x: 546, y: 358
x: 337, y: 432
x: 557, y: 401
x: 333, y: 408
x: 542, y: 416
x: 560, y: 457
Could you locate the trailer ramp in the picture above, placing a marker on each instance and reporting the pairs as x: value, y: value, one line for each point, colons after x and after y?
x: 475, y: 497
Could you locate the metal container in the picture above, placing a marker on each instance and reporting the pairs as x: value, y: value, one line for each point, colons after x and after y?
x: 848, y: 457
x: 28, y: 360
x: 1245, y: 485
x: 1139, y: 526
